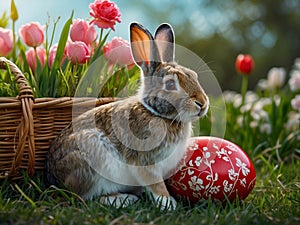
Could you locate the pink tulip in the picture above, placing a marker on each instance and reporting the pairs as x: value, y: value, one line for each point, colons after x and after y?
x: 78, y: 52
x: 6, y: 41
x: 32, y: 59
x: 118, y: 52
x: 105, y: 14
x: 81, y: 30
x: 52, y: 55
x: 32, y: 34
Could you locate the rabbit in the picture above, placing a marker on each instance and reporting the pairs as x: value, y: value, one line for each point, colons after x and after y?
x: 118, y: 151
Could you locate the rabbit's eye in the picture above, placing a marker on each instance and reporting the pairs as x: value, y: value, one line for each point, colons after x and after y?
x: 171, y: 85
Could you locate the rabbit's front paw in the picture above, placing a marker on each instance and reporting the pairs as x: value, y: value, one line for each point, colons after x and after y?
x: 119, y: 200
x: 165, y: 203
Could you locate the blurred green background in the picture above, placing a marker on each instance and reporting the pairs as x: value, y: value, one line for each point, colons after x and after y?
x: 216, y: 30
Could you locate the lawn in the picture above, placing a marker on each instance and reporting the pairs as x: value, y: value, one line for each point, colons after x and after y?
x: 274, y: 200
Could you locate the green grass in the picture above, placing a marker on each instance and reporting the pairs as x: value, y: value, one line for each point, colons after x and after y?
x: 274, y: 200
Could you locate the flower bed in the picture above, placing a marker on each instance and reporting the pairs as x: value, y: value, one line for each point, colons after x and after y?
x: 55, y: 69
x: 267, y: 119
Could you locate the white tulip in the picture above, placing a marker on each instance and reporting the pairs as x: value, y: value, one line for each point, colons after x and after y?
x: 276, y: 77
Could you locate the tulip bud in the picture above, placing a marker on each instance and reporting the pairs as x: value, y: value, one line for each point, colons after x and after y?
x: 6, y: 41
x: 81, y: 30
x: 244, y: 64
x: 13, y: 11
x: 33, y: 55
x: 52, y: 55
x: 32, y: 34
x: 118, y: 51
x: 78, y: 52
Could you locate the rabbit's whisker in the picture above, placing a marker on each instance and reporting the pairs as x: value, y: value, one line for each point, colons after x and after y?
x: 180, y: 118
x: 216, y: 107
x: 175, y: 118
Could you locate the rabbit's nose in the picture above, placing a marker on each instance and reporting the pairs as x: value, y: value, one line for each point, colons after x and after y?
x: 202, y: 107
x: 198, y: 104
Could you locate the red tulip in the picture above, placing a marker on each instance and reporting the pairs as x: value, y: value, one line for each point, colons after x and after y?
x: 244, y: 64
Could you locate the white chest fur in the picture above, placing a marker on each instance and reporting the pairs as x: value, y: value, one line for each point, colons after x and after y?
x: 174, y: 153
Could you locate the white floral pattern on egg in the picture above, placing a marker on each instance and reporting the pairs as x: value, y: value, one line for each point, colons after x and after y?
x: 213, y: 168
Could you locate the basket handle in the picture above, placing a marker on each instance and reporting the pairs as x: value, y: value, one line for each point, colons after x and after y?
x: 26, y: 127
x: 23, y: 86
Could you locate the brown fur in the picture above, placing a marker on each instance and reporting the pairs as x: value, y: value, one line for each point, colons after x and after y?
x: 141, y: 131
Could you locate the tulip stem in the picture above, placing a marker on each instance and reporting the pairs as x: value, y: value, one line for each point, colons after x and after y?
x: 101, y: 35
x: 244, y: 88
x: 14, y: 41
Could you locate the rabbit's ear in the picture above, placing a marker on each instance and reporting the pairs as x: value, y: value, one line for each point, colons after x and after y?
x: 143, y: 47
x: 164, y: 37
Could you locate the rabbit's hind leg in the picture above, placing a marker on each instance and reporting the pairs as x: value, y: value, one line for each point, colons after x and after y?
x: 119, y: 200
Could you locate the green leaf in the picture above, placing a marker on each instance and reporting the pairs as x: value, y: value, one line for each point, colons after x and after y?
x: 98, y: 51
x: 53, y: 87
x: 4, y: 20
x: 59, y: 55
x: 121, y: 81
x: 62, y: 42
x: 45, y: 80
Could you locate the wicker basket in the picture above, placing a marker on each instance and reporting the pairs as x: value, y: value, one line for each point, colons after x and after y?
x: 28, y: 125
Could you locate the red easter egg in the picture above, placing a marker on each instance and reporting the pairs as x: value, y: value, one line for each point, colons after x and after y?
x: 212, y: 168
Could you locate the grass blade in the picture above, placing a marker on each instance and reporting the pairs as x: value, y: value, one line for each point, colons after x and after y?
x: 25, y: 196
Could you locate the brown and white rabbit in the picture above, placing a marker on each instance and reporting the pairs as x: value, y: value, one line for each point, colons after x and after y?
x: 119, y: 149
